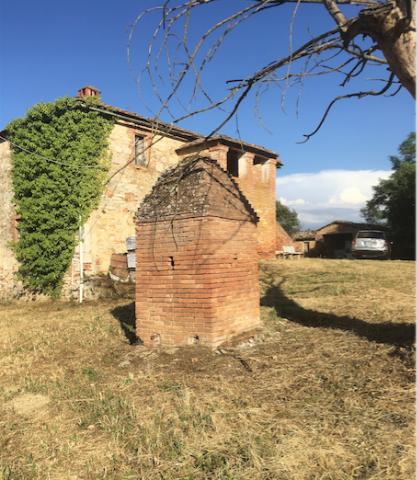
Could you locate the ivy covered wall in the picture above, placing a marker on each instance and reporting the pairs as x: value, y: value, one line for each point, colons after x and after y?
x: 60, y: 160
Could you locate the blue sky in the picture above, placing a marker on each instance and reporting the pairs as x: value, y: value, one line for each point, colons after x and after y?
x: 50, y: 49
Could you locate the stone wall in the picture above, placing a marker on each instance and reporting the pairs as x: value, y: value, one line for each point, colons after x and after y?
x: 9, y: 287
x: 112, y: 222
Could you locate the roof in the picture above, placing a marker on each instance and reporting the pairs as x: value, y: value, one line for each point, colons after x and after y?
x: 195, y: 187
x: 90, y: 86
x: 305, y: 235
x: 193, y: 138
x: 311, y: 234
x: 356, y: 225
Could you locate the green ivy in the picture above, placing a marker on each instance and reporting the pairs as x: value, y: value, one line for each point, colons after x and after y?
x: 60, y: 160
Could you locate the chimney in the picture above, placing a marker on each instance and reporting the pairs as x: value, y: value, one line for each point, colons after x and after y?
x: 88, y: 91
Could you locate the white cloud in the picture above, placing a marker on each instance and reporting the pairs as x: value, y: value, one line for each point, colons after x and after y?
x: 297, y: 201
x: 349, y: 196
x: 322, y: 197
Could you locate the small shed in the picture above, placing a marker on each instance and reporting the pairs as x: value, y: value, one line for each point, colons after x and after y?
x: 334, y: 240
x: 196, y: 258
x: 306, y: 242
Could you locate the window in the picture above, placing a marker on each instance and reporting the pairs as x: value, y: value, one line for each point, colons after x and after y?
x: 371, y: 234
x: 233, y: 163
x: 140, y: 158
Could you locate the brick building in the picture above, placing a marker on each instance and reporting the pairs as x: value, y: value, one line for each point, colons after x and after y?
x: 140, y: 151
x: 333, y: 240
x: 197, y: 268
x: 283, y: 239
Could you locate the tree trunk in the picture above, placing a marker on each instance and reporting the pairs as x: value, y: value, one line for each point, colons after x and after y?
x: 392, y: 26
x: 400, y: 55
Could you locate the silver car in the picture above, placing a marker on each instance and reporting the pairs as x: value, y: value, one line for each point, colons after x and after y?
x: 371, y: 244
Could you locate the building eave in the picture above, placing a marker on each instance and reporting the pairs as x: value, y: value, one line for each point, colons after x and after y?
x: 193, y: 139
x: 202, y: 143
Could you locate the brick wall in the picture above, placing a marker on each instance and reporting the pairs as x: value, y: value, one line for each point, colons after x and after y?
x: 256, y: 178
x: 196, y: 258
x: 196, y: 281
x: 257, y: 182
x: 283, y: 239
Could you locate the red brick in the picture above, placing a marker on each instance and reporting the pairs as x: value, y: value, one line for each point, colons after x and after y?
x: 211, y: 290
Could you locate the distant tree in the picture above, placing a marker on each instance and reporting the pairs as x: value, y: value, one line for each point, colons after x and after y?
x: 287, y: 218
x: 394, y: 199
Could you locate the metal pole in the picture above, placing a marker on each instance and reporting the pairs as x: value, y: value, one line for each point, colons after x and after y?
x: 81, y: 257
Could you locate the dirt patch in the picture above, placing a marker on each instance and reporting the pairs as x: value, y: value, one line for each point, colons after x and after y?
x: 29, y: 403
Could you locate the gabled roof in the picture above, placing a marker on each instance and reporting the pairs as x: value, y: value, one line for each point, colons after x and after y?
x: 305, y: 235
x: 311, y: 234
x: 195, y: 187
x: 355, y: 225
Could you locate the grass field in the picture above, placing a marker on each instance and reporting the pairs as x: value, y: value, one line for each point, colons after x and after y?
x: 326, y: 391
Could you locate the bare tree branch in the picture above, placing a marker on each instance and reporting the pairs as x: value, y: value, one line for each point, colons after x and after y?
x: 389, y: 24
x: 364, y: 3
x: 343, y: 97
x: 336, y: 14
x: 359, y: 53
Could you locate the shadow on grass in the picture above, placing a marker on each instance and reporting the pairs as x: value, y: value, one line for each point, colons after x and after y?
x: 396, y: 334
x: 125, y: 315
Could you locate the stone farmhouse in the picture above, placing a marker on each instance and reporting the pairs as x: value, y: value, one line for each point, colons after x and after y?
x: 140, y: 152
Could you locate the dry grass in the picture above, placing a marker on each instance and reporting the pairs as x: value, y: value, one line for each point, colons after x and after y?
x: 327, y: 392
